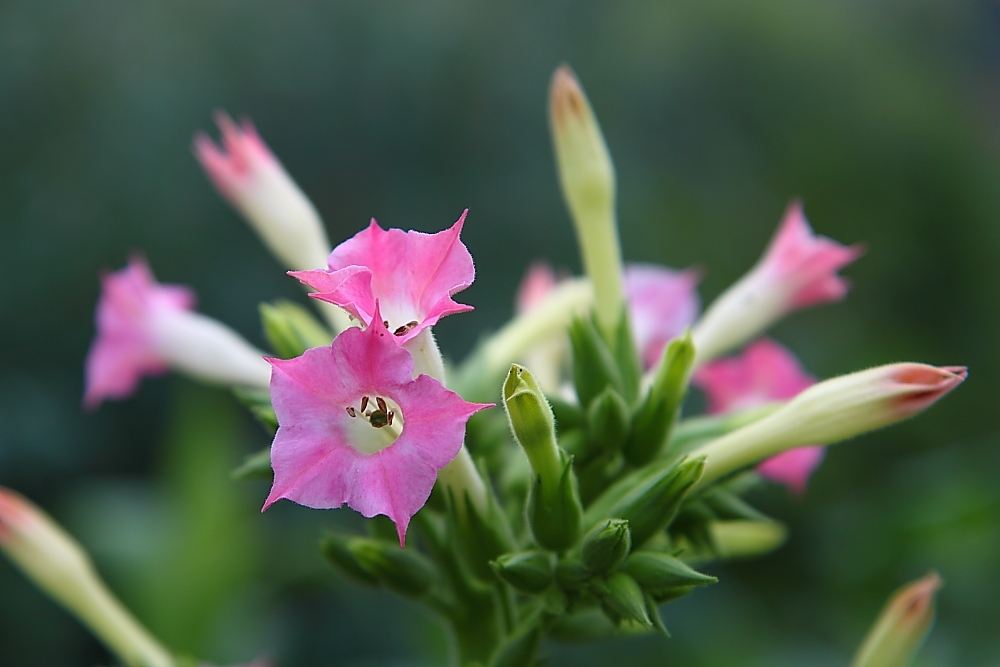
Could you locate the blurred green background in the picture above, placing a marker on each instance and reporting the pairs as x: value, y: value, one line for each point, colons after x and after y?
x: 882, y: 115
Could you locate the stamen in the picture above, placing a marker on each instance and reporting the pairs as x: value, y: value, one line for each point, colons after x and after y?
x: 381, y: 404
x: 364, y: 403
x: 403, y: 329
x: 390, y: 416
x: 351, y: 411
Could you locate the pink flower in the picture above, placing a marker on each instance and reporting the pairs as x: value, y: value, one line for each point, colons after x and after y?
x: 662, y: 303
x: 144, y: 328
x: 125, y: 349
x: 356, y: 428
x: 412, y: 275
x: 765, y: 372
x: 537, y: 283
x: 247, y: 174
x: 798, y: 269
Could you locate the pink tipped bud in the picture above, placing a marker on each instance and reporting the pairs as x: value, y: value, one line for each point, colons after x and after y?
x: 901, y: 627
x: 251, y: 178
x: 832, y: 411
x: 798, y: 269
x: 588, y: 184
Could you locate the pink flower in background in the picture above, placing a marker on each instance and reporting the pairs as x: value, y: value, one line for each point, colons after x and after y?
x: 145, y: 328
x: 356, y: 428
x: 412, y: 275
x: 125, y: 349
x: 804, y: 266
x: 538, y: 281
x: 662, y: 303
x: 765, y: 372
x: 248, y: 175
x: 798, y: 269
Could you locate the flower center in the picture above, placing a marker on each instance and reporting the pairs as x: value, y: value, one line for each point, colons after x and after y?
x: 373, y: 423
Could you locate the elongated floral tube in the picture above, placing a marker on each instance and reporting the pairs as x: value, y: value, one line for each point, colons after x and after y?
x: 248, y: 175
x: 798, y: 269
x: 832, y: 411
x: 145, y: 328
x: 57, y: 564
x: 587, y: 176
x: 901, y: 627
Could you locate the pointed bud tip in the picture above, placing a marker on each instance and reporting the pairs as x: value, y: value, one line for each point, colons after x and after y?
x: 925, y: 385
x: 566, y: 97
x: 915, y: 599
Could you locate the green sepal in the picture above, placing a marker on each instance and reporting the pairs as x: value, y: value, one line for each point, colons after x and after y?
x: 626, y: 356
x: 656, y: 414
x: 258, y: 402
x: 291, y: 329
x: 608, y: 419
x: 254, y: 466
x: 649, y: 498
x: 572, y: 574
x: 727, y: 505
x: 605, y: 547
x: 527, y: 571
x: 480, y: 537
x: 594, y: 366
x: 554, y: 511
x: 623, y: 599
x: 658, y: 572
x: 568, y: 415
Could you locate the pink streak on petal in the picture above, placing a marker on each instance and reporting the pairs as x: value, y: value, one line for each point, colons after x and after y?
x: 413, y: 275
x: 123, y: 351
x: 806, y: 264
x: 662, y: 304
x: 765, y: 372
x: 314, y: 461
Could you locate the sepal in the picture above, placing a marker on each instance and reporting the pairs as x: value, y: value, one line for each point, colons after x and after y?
x: 291, y: 329
x: 606, y: 546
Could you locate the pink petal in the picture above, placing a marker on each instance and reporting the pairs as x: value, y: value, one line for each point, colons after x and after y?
x: 662, y: 304
x: 241, y: 157
x: 413, y: 276
x: 792, y: 468
x: 536, y: 284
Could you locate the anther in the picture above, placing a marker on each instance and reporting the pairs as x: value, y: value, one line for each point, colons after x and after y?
x: 351, y: 411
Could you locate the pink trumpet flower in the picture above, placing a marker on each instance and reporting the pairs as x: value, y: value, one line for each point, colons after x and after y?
x: 662, y: 303
x: 765, y: 372
x: 145, y: 328
x: 356, y: 428
x: 798, y: 269
x: 412, y: 275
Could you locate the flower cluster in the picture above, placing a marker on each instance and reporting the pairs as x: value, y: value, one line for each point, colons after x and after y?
x: 583, y: 506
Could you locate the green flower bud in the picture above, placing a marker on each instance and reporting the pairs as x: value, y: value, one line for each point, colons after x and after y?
x: 901, y: 627
x: 648, y: 498
x: 291, y: 329
x: 587, y: 177
x: 527, y: 571
x: 609, y: 421
x: 571, y: 573
x: 594, y: 365
x: 624, y: 600
x: 656, y: 414
x: 531, y: 421
x: 659, y: 573
x: 605, y: 547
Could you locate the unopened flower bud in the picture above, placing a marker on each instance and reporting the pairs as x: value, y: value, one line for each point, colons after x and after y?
x: 901, y: 627
x: 608, y: 421
x: 656, y: 414
x: 554, y: 510
x: 527, y: 571
x: 624, y: 599
x: 531, y: 421
x: 588, y: 183
x: 648, y: 499
x: 57, y: 564
x: 594, y: 367
x: 605, y: 547
x: 832, y: 411
x: 248, y: 175
x: 658, y: 572
x: 798, y: 269
x: 291, y: 329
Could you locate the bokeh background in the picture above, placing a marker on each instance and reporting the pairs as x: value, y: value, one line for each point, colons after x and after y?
x: 884, y: 116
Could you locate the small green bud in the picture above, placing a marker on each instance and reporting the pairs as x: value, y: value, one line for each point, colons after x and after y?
x: 291, y: 329
x: 531, y: 421
x: 571, y: 573
x: 554, y: 511
x: 594, y: 366
x: 605, y: 547
x: 658, y: 572
x: 624, y: 600
x: 337, y: 551
x: 901, y: 627
x: 609, y: 421
x: 402, y: 570
x: 527, y: 571
x: 648, y: 499
x: 656, y: 414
